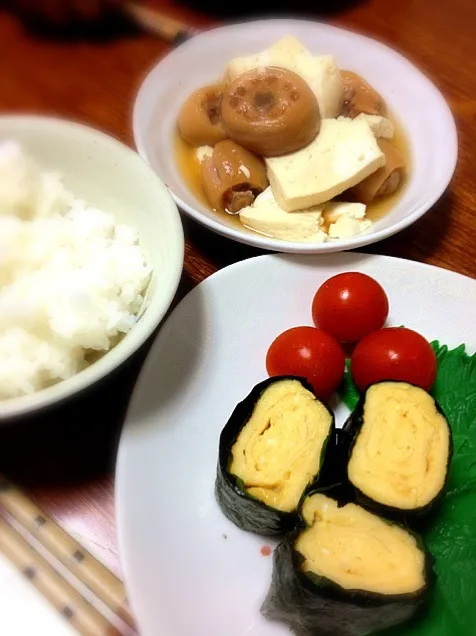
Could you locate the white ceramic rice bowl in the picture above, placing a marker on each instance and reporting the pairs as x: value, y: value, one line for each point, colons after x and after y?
x: 109, y: 176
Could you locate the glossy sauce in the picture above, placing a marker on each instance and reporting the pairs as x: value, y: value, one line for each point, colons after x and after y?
x: 189, y: 167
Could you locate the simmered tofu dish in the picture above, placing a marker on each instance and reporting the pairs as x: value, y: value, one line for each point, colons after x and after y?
x: 291, y: 145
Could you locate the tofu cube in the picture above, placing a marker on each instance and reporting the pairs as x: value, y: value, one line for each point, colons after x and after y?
x: 343, y: 153
x: 380, y: 126
x: 345, y: 219
x: 265, y: 216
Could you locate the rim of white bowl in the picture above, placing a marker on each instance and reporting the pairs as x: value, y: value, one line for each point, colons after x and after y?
x: 151, y: 317
x: 278, y: 245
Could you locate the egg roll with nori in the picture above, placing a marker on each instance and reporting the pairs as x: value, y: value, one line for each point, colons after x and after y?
x: 397, y: 447
x: 345, y: 571
x: 271, y: 450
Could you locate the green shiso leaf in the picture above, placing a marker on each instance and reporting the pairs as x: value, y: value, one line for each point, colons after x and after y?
x: 451, y: 532
x: 348, y: 392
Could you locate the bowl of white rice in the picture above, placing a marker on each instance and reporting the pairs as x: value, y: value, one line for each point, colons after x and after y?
x: 91, y: 253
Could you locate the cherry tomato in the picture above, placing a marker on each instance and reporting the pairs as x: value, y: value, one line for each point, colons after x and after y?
x: 349, y: 306
x: 310, y: 353
x: 394, y: 353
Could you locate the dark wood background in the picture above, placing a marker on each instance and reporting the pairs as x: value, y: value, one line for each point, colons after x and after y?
x: 66, y: 457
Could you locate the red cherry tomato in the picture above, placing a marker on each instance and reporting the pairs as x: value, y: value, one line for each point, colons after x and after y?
x: 394, y: 353
x: 310, y: 353
x: 349, y: 306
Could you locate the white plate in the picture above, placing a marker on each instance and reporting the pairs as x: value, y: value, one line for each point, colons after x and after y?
x: 184, y: 578
x: 420, y: 107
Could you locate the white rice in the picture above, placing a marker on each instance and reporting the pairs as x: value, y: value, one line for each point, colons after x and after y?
x: 71, y: 279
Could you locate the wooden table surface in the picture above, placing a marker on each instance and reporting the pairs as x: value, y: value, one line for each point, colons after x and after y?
x: 66, y: 458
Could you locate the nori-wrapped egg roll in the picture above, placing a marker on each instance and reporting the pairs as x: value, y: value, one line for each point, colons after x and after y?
x: 397, y: 447
x: 346, y: 572
x: 271, y: 450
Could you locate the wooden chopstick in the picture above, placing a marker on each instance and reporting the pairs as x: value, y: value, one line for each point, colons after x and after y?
x: 157, y: 23
x: 86, y: 568
x: 62, y: 595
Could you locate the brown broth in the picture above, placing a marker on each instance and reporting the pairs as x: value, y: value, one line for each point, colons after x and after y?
x: 382, y: 206
x: 189, y: 167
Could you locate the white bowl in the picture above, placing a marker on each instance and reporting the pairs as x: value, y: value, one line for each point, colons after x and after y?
x: 110, y: 176
x: 420, y: 107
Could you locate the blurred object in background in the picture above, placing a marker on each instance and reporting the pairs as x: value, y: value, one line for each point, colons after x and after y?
x: 70, y: 18
x: 107, y: 18
x: 268, y: 8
